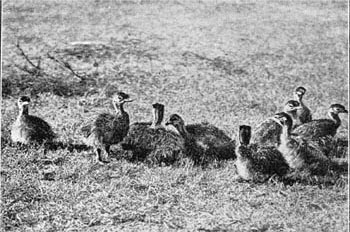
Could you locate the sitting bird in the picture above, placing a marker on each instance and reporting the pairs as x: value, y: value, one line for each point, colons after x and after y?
x: 257, y: 163
x: 298, y: 153
x: 303, y: 114
x: 29, y: 129
x: 268, y: 132
x: 202, y: 147
x: 108, y: 129
x: 322, y: 127
x: 153, y: 142
x: 193, y: 149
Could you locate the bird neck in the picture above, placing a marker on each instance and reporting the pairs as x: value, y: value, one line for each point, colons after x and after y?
x: 24, y: 110
x: 119, y: 108
x: 293, y: 114
x: 158, y: 116
x: 285, y: 134
x: 298, y: 98
x: 334, y: 117
x: 242, y: 150
x: 183, y: 132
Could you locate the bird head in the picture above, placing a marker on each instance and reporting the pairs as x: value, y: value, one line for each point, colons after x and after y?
x: 300, y: 91
x: 121, y: 98
x: 23, y: 101
x: 244, y: 134
x: 158, y: 106
x: 291, y: 106
x: 176, y: 121
x: 283, y: 119
x: 337, y: 108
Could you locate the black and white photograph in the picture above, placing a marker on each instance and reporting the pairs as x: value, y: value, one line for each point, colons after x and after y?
x: 174, y: 115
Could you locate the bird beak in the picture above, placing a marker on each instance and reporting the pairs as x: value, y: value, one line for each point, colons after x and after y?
x: 168, y: 123
x: 298, y: 107
x: 128, y: 100
x: 345, y: 111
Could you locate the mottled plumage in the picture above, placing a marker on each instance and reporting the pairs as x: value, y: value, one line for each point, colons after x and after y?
x: 299, y: 153
x: 255, y: 162
x: 151, y: 141
x: 108, y: 129
x: 193, y: 150
x: 28, y: 128
x: 322, y: 127
x: 219, y: 144
x: 268, y: 132
x: 303, y: 114
x: 203, y: 142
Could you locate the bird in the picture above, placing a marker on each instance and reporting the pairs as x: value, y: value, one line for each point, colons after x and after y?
x: 257, y: 163
x: 193, y: 149
x: 29, y: 129
x: 303, y: 114
x: 268, y: 132
x: 298, y: 153
x: 322, y: 127
x: 108, y: 129
x: 201, y: 147
x: 152, y: 142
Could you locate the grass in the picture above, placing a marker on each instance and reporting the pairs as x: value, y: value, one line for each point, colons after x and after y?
x: 227, y: 63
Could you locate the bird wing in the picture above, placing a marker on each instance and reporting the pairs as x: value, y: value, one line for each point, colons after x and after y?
x: 316, y: 128
x: 111, y: 128
x: 208, y: 134
x: 39, y: 128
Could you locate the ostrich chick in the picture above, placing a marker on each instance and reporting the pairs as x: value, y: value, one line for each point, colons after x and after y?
x: 28, y: 128
x: 108, y: 129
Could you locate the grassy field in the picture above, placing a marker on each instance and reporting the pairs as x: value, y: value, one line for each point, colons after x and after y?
x: 225, y: 62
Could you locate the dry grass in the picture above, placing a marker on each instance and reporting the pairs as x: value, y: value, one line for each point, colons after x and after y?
x: 224, y: 62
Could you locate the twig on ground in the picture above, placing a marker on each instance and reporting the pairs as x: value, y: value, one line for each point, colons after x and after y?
x: 66, y: 65
x: 38, y: 70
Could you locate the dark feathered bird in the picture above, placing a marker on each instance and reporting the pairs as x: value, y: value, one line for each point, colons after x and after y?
x: 193, y: 150
x: 303, y: 114
x: 28, y: 128
x: 151, y: 141
x: 255, y: 162
x: 298, y: 153
x: 204, y: 142
x: 108, y: 129
x: 322, y: 127
x: 268, y: 132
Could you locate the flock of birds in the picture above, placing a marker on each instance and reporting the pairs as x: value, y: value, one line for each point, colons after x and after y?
x: 288, y: 141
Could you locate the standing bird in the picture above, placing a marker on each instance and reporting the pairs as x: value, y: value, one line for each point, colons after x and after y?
x: 108, y: 129
x: 257, y: 163
x: 322, y: 127
x: 151, y: 141
x: 28, y: 128
x: 268, y: 132
x: 202, y: 143
x: 298, y: 153
x: 303, y: 114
